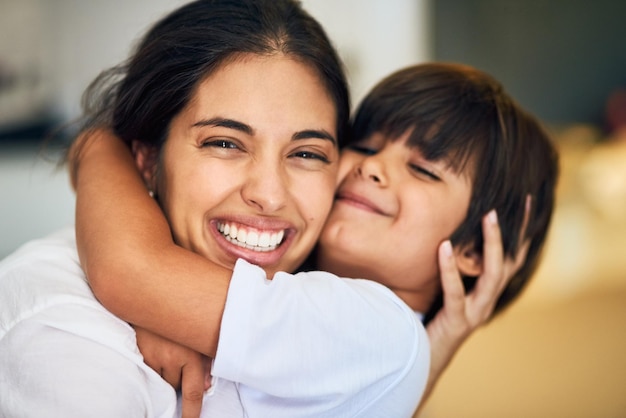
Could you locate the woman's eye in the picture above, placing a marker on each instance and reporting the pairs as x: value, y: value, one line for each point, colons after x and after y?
x: 361, y: 149
x: 422, y: 171
x: 220, y: 143
x: 308, y: 155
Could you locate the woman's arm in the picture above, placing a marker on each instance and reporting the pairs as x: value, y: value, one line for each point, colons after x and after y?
x: 183, y: 368
x: 126, y: 249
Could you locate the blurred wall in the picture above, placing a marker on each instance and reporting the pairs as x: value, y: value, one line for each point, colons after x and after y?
x: 560, y: 58
x: 64, y: 44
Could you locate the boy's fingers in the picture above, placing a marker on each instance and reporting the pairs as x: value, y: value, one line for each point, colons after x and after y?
x: 453, y: 290
x: 192, y: 389
x: 490, y: 281
x: 520, y: 257
x: 524, y: 243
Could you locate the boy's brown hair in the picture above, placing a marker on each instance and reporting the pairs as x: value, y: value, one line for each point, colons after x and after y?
x: 463, y: 116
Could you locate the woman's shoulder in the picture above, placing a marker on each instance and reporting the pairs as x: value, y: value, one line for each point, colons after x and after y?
x: 42, y: 273
x: 53, y: 246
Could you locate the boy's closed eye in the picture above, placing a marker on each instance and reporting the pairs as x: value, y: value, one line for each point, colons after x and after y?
x: 363, y: 149
x: 421, y: 171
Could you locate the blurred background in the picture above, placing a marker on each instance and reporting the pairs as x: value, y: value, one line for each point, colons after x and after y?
x: 560, y: 350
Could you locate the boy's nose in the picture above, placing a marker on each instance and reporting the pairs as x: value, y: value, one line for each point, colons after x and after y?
x: 373, y: 177
x: 372, y: 169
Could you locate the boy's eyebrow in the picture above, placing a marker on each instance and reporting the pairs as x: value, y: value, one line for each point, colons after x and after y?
x: 248, y: 130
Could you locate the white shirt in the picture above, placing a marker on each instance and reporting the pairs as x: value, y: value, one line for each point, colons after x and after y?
x: 312, y: 345
x: 345, y: 347
x: 62, y: 354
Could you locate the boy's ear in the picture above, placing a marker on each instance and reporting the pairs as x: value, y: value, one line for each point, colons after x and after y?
x: 146, y: 158
x: 468, y: 260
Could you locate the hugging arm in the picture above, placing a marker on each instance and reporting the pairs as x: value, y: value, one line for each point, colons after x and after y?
x: 138, y: 273
x: 127, y: 252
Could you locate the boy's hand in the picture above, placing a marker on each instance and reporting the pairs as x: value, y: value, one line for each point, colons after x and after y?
x: 462, y: 313
x: 180, y: 366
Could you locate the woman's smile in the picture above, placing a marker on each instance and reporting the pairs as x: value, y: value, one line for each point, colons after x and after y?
x: 261, y: 241
x: 251, y: 238
x: 250, y: 164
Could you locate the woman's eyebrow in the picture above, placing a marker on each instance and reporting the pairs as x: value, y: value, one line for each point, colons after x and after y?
x: 226, y: 123
x: 314, y: 133
x: 247, y: 129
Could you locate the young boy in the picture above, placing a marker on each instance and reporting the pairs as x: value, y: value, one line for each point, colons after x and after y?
x: 454, y: 119
x: 435, y: 148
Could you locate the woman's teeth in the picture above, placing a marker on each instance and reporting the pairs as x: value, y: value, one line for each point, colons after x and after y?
x: 250, y: 238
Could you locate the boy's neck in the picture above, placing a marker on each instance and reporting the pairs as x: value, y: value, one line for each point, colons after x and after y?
x: 418, y: 299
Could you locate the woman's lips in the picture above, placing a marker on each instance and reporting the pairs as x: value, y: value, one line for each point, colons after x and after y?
x: 263, y: 242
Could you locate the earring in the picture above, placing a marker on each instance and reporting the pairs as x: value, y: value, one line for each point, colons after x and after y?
x: 151, y: 193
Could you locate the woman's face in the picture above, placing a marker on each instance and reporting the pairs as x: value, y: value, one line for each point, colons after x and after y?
x: 393, y: 209
x: 250, y: 165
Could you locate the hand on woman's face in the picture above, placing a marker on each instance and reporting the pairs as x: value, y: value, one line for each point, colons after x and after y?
x: 250, y: 164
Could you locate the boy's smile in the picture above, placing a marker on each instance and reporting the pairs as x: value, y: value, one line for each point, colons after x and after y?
x: 392, y: 210
x: 358, y: 201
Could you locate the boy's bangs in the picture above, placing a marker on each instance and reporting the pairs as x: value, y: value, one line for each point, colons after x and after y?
x: 455, y: 137
x: 451, y: 116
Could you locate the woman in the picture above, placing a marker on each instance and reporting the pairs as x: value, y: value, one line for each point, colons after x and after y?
x: 85, y: 357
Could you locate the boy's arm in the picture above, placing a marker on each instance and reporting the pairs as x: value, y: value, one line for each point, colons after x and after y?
x: 126, y: 249
x: 463, y: 313
x: 364, y: 348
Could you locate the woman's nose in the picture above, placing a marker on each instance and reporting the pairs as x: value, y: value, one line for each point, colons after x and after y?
x: 266, y: 188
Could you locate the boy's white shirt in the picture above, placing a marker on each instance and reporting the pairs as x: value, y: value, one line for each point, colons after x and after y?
x: 288, y: 347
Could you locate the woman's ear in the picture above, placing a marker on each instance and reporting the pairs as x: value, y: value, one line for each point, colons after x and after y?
x: 468, y: 260
x: 146, y: 158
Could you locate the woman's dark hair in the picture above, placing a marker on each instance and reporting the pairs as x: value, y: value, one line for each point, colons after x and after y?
x: 463, y: 116
x: 139, y: 99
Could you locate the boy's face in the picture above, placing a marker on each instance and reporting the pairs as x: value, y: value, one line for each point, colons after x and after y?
x: 392, y: 210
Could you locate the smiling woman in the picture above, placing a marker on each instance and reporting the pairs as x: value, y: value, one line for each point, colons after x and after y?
x: 266, y: 127
x: 264, y: 69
